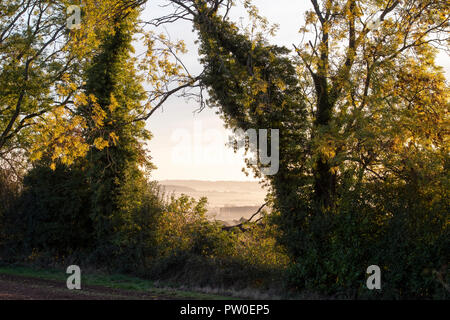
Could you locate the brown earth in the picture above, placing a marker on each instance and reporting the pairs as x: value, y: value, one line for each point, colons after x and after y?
x: 25, y: 288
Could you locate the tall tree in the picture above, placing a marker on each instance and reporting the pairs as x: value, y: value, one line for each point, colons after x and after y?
x: 116, y: 155
x: 361, y: 111
x: 355, y: 47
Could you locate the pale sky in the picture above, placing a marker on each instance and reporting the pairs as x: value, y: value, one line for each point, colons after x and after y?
x: 188, y: 145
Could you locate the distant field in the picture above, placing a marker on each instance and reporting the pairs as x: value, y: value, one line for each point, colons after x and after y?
x: 227, y: 200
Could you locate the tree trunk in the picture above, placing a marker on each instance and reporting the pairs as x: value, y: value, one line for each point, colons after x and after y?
x: 324, y: 179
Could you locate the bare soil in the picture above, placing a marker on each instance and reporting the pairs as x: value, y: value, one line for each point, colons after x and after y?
x: 26, y: 288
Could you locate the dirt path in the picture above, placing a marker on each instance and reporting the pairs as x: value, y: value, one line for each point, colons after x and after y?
x: 26, y: 288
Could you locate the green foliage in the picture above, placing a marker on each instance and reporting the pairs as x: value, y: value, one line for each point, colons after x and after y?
x: 257, y: 244
x: 195, y: 251
x: 406, y: 235
x: 135, y: 231
x: 414, y: 247
x: 10, y: 186
x: 183, y: 226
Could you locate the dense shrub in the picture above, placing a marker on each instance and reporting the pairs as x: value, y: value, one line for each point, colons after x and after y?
x: 51, y: 220
x: 10, y: 185
x: 195, y: 251
x: 414, y: 248
x: 52, y: 212
x: 140, y: 206
x: 184, y: 227
x: 406, y: 235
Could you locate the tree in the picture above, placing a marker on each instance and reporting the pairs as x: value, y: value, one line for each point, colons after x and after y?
x: 29, y: 67
x: 361, y: 110
x: 40, y: 77
x: 352, y: 82
x: 116, y: 153
x: 124, y: 205
x: 91, y: 131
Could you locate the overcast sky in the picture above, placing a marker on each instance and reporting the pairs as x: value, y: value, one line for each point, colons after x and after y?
x: 188, y: 145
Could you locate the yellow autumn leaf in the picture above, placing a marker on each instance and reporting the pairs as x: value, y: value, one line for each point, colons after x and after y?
x: 100, y: 143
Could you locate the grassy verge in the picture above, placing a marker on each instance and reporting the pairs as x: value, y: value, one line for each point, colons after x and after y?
x: 115, y: 281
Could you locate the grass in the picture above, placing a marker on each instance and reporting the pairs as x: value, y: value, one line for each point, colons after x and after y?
x: 115, y: 281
